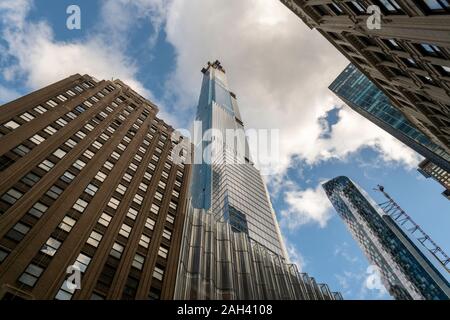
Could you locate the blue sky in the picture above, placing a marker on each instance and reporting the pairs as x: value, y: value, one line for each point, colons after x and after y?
x: 280, y: 71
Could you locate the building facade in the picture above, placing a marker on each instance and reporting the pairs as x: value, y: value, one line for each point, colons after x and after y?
x: 226, y: 181
x: 89, y: 192
x: 360, y: 94
x: 406, y: 272
x: 232, y: 247
x: 429, y: 169
x: 407, y: 55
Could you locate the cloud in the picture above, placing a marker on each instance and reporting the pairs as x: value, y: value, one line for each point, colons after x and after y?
x: 343, y: 251
x: 280, y: 71
x: 40, y: 60
x: 294, y: 255
x: 305, y: 206
x: 373, y: 281
x: 7, y: 94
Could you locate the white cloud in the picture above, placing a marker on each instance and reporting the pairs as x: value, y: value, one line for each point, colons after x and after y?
x: 294, y: 255
x: 41, y: 60
x: 7, y: 94
x: 280, y: 71
x: 373, y: 281
x: 306, y: 206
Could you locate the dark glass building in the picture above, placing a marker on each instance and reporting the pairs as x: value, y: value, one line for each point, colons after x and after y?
x: 87, y: 183
x: 406, y: 271
x: 431, y: 170
x: 364, y: 97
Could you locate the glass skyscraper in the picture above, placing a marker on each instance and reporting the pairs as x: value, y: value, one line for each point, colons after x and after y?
x: 363, y: 96
x: 227, y: 182
x: 232, y: 247
x: 406, y: 271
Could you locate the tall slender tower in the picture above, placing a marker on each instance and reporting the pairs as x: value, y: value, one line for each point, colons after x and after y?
x: 227, y: 181
x: 406, y: 271
x: 232, y: 247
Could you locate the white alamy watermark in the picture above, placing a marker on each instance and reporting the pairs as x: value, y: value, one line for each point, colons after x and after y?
x: 374, y: 20
x: 260, y: 147
x: 73, y: 281
x: 73, y: 21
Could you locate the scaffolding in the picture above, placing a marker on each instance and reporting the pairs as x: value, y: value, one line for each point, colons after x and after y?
x: 404, y: 221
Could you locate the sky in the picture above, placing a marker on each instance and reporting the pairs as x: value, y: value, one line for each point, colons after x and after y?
x: 280, y: 71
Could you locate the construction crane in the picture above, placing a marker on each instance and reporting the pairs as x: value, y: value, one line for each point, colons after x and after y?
x: 391, y: 208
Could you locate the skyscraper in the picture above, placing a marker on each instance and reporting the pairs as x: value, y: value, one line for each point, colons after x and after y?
x: 360, y: 94
x: 87, y: 182
x: 429, y: 169
x: 407, y: 55
x: 226, y: 181
x: 232, y: 248
x: 405, y: 270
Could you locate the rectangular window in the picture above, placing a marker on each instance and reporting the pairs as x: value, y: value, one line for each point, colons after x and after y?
x: 158, y: 273
x: 37, y: 139
x: 91, y: 189
x: 38, y: 210
x: 116, y: 250
x: 132, y: 213
x: 121, y: 189
x: 94, y: 239
x: 59, y: 153
x: 11, y: 125
x: 125, y: 230
x: 150, y: 223
x: 138, y: 261
x: 11, y: 196
x: 30, y: 179
x: 51, y: 246
x: 80, y: 205
x: 144, y: 241
x: 40, y: 109
x: 167, y: 234
x: 162, y: 252
x: 113, y: 203
x: 105, y: 219
x: 100, y: 176
x: 26, y: 116
x: 31, y: 274
x: 67, y: 224
x: 46, y: 165
x: 54, y: 192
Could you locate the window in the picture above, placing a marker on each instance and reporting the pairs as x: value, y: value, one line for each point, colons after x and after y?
x: 89, y: 154
x: 162, y: 184
x: 143, y: 186
x: 59, y: 153
x: 11, y: 125
x: 162, y: 252
x: 100, y: 176
x: 94, y: 239
x: 51, y: 246
x: 436, y: 6
x: 82, y: 262
x: 61, y: 98
x: 46, y: 165
x: 31, y: 275
x: 125, y: 230
x: 390, y: 6
x: 67, y: 223
x: 165, y: 175
x: 138, y: 199
x: 144, y: 241
x: 91, y: 189
x: 67, y: 177
x: 54, y: 192
x: 150, y: 223
x: 173, y: 205
x: 170, y: 218
x: 175, y: 193
x: 116, y: 250
x: 11, y: 196
x: 121, y: 189
x: 21, y: 150
x: 127, y: 177
x: 70, y: 143
x: 26, y: 116
x: 79, y: 164
x: 158, y: 273
x: 97, y: 144
x: 105, y: 219
x: 37, y: 139
x: 154, y: 208
x: 40, y: 109
x: 3, y: 255
x: 113, y: 203
x: 38, y: 210
x: 115, y: 155
x: 18, y: 232
x: 167, y: 234
x: 430, y: 49
x: 80, y: 134
x: 132, y: 213
x: 30, y: 179
x: 50, y: 130
x: 158, y: 195
x: 108, y: 165
x: 138, y: 261
x: 80, y: 205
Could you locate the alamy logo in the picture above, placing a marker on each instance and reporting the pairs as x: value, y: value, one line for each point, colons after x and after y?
x: 73, y: 282
x: 374, y: 21
x: 74, y: 19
